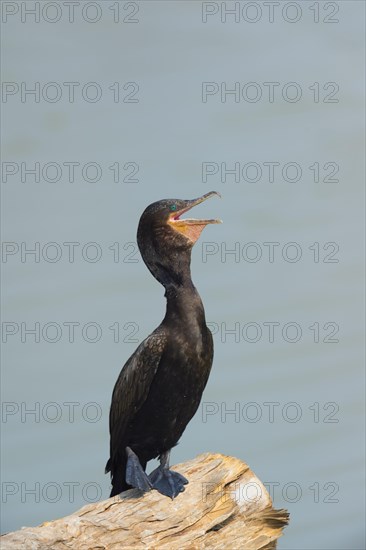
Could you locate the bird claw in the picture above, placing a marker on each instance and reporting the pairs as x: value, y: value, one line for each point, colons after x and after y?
x: 167, y: 482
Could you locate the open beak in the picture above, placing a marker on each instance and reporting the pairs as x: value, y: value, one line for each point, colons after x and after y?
x: 191, y: 227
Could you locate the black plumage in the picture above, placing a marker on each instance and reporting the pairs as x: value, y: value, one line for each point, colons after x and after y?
x: 160, y: 387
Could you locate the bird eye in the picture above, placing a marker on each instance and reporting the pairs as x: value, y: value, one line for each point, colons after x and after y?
x: 173, y: 207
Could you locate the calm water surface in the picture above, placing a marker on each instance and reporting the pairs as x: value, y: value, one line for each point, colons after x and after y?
x: 280, y: 279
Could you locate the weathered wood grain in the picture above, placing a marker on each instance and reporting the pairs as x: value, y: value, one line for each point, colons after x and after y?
x: 224, y: 507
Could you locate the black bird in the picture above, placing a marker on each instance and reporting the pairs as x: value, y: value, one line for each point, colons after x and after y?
x: 160, y: 387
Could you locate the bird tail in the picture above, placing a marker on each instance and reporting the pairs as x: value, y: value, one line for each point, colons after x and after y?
x: 117, y: 477
x: 108, y: 466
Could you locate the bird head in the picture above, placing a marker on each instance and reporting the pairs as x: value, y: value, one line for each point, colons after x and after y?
x: 165, y: 239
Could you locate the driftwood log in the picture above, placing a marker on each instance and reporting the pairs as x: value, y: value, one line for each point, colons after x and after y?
x: 224, y: 506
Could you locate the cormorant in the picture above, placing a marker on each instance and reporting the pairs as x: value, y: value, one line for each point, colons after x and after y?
x: 160, y: 387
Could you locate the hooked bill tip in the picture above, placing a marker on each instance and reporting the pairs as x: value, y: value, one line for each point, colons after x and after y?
x: 210, y: 193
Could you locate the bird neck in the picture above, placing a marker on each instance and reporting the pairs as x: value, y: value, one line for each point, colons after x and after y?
x: 184, y: 306
x: 173, y: 270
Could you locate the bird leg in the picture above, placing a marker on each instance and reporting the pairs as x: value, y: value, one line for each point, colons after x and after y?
x: 135, y: 475
x: 166, y: 481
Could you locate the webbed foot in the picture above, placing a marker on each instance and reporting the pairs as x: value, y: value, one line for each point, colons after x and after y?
x: 167, y: 482
x: 135, y: 475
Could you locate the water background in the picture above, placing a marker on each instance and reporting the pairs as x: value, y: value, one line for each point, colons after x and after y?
x: 315, y: 465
